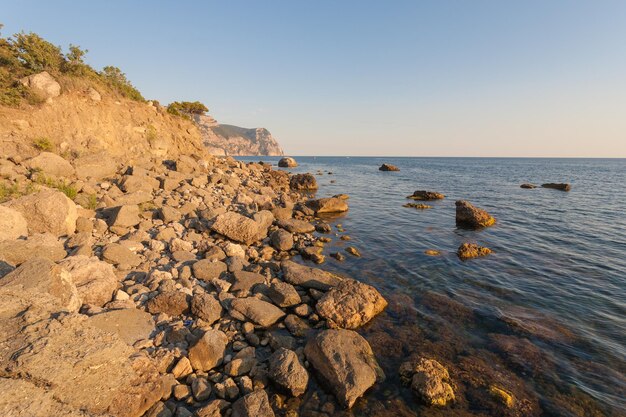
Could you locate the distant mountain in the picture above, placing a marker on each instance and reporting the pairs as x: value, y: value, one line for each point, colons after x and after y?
x: 231, y: 140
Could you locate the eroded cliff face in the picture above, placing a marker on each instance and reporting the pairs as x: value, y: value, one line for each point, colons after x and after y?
x: 221, y: 139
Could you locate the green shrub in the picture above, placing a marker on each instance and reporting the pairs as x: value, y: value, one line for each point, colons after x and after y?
x: 37, y: 54
x: 43, y: 144
x: 186, y: 108
x: 66, y: 188
x: 151, y: 134
x: 8, y: 192
x: 117, y: 80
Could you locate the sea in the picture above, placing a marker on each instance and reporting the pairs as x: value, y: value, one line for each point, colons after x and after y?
x: 542, y: 318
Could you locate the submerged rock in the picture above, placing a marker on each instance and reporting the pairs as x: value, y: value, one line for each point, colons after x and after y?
x: 350, y: 304
x: 287, y: 162
x: 472, y: 250
x: 426, y: 195
x: 469, y: 216
x: 429, y: 380
x: 388, y: 167
x: 557, y: 186
x: 528, y: 186
x: 417, y: 206
x: 344, y: 362
x: 328, y: 205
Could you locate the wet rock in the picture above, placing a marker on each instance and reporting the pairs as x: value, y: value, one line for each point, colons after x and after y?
x: 208, y: 351
x: 42, y: 245
x: 281, y: 240
x: 95, y: 280
x: 255, y: 404
x: 47, y: 211
x: 432, y: 252
x: 12, y: 224
x: 261, y: 312
x: 240, y: 228
x: 120, y: 255
x: 353, y: 251
x: 207, y: 270
x: 528, y: 186
x: 426, y: 195
x: 472, y: 250
x: 296, y: 226
x: 344, y: 361
x: 287, y: 372
x: 206, y: 307
x: 308, y: 277
x: 283, y: 294
x: 350, y: 304
x: 429, y: 380
x: 328, y: 205
x: 469, y: 216
x: 417, y: 206
x: 172, y: 303
x: 388, y: 167
x: 303, y: 182
x: 557, y: 186
x: 51, y: 164
x: 287, y: 162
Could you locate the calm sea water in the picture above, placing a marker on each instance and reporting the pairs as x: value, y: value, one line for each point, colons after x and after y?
x: 544, y: 316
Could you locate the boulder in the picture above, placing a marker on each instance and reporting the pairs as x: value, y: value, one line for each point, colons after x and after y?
x: 208, y: 351
x: 133, y: 183
x: 328, y: 205
x: 557, y: 186
x: 287, y: 162
x: 287, y: 372
x: 429, y: 380
x: 472, y: 250
x: 117, y: 254
x: 130, y: 324
x: 43, y: 84
x: 255, y: 404
x: 283, y: 294
x: 95, y: 166
x: 95, y: 280
x: 42, y: 245
x: 296, y: 226
x: 528, y: 186
x: 47, y: 211
x: 172, y: 303
x: 169, y: 214
x: 208, y: 270
x: 281, y: 240
x: 303, y: 182
x: 244, y: 281
x: 426, y: 195
x: 473, y: 217
x: 240, y: 228
x: 388, y: 167
x: 308, y: 277
x: 261, y: 312
x: 12, y: 224
x: 51, y: 164
x: 344, y: 362
x: 350, y: 304
x: 125, y: 216
x: 206, y: 307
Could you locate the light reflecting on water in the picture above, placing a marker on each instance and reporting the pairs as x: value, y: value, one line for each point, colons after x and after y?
x: 548, y: 307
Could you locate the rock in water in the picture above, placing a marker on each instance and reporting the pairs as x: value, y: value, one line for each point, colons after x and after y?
x: 328, y: 205
x: 208, y: 351
x: 344, y: 362
x: 469, y: 216
x: 388, y: 167
x: 557, y: 186
x: 287, y: 372
x: 429, y: 380
x: 350, y: 304
x: 287, y: 162
x: 48, y: 211
x: 239, y: 228
x: 255, y: 404
x: 528, y: 186
x: 303, y: 182
x: 12, y: 224
x: 426, y: 195
x: 472, y: 250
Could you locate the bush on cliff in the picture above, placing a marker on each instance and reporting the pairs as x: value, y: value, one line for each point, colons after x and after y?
x: 186, y: 108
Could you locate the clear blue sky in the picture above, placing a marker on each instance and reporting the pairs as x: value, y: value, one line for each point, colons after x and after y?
x: 448, y: 78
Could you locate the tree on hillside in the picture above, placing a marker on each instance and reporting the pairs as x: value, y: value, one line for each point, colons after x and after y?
x: 36, y: 53
x: 187, y: 108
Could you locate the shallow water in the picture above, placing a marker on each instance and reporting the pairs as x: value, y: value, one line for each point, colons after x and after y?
x: 543, y: 317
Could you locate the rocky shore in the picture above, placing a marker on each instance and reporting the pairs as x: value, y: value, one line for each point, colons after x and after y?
x: 174, y: 294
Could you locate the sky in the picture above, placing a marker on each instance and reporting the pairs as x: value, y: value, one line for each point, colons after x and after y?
x: 531, y: 78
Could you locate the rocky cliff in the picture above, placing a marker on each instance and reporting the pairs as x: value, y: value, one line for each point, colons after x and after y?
x: 231, y: 140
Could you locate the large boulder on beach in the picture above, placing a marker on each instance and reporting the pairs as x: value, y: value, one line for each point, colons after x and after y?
x: 473, y: 217
x: 12, y: 224
x: 557, y: 186
x: 426, y: 195
x: 47, y: 211
x: 260, y: 312
x: 296, y: 226
x: 95, y: 280
x: 303, y: 182
x: 328, y: 205
x: 388, y: 167
x: 429, y: 380
x: 350, y: 304
x: 306, y: 276
x: 287, y: 372
x: 344, y: 362
x: 255, y: 404
x: 240, y: 228
x: 51, y: 164
x: 287, y: 162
